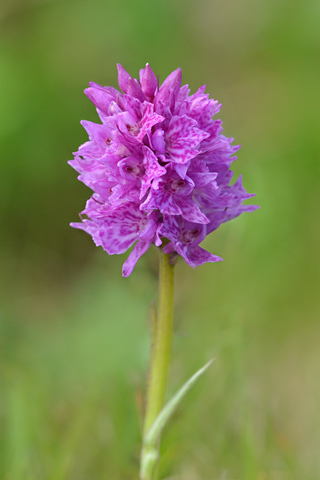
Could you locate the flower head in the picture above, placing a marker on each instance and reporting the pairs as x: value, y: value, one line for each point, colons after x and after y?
x: 159, y: 168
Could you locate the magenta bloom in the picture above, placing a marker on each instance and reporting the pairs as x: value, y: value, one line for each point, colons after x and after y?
x: 159, y: 168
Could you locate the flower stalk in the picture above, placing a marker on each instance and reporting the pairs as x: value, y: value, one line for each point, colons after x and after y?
x: 160, y: 361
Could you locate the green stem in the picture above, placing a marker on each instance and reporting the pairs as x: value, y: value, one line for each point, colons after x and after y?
x: 160, y: 358
x: 161, y: 354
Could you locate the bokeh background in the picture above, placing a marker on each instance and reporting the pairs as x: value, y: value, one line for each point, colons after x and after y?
x: 74, y: 334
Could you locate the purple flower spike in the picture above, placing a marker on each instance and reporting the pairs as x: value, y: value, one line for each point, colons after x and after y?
x: 159, y: 168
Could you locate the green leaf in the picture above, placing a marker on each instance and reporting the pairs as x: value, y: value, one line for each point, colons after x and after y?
x: 153, y: 434
x: 150, y: 451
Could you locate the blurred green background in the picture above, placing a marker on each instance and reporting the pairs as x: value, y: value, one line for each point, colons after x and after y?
x: 74, y: 334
